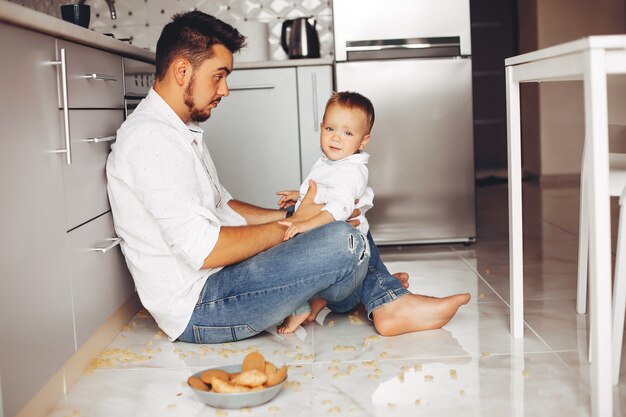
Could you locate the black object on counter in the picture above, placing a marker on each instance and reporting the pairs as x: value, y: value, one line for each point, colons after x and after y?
x: 78, y: 14
x: 299, y: 38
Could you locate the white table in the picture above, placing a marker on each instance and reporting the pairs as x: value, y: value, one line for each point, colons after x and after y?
x: 590, y: 60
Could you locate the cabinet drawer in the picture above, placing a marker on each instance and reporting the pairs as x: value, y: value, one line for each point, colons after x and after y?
x: 266, y: 157
x: 101, y: 282
x: 94, y: 77
x: 91, y: 132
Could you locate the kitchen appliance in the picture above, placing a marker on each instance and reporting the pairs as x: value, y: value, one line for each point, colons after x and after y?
x: 79, y: 14
x: 299, y: 38
x: 138, y: 79
x: 412, y: 58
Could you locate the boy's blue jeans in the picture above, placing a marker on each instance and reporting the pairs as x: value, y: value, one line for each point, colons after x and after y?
x: 331, y: 261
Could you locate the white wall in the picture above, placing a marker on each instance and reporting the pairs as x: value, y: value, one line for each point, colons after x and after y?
x: 554, y: 126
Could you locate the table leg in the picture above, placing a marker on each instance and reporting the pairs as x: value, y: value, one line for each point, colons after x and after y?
x: 596, y: 136
x: 516, y: 277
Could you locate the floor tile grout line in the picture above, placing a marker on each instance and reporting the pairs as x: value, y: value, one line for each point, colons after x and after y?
x: 480, y: 276
x: 569, y: 232
x: 501, y: 298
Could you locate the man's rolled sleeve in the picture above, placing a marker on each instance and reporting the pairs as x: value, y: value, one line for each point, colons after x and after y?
x: 191, y: 236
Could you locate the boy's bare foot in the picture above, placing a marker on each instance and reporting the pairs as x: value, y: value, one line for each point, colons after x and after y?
x: 292, y: 322
x: 317, y: 305
x: 403, y: 277
x: 413, y: 312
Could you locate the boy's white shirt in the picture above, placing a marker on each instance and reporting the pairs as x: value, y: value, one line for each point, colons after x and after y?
x: 339, y: 184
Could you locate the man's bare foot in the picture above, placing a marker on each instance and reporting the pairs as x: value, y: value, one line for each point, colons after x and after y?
x: 403, y: 277
x: 291, y: 323
x: 413, y: 312
x: 317, y: 305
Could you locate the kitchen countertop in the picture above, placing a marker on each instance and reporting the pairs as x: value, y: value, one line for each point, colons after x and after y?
x: 31, y: 19
x: 283, y: 63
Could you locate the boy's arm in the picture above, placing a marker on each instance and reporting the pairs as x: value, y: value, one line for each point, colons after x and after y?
x: 295, y: 227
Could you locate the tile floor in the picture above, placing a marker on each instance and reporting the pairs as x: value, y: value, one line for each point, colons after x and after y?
x: 471, y: 367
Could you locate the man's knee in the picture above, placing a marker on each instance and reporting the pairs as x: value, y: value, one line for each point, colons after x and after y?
x: 341, y: 237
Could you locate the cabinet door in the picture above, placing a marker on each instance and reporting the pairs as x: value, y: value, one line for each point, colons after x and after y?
x: 91, y: 135
x: 253, y: 135
x: 315, y: 85
x: 35, y: 297
x: 94, y: 78
x: 101, y: 282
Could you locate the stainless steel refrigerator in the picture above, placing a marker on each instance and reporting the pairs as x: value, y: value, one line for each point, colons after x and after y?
x: 412, y: 58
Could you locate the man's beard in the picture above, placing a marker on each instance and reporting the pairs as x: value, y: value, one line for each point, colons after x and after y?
x: 195, y: 114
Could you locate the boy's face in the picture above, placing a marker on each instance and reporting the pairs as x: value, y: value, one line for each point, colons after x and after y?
x: 344, y: 131
x: 207, y: 84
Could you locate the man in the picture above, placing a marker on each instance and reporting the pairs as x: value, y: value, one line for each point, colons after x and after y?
x: 210, y: 268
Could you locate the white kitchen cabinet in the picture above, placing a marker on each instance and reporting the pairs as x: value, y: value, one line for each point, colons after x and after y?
x: 91, y: 133
x: 315, y: 84
x: 101, y: 282
x: 94, y: 78
x: 56, y: 288
x: 253, y: 135
x: 35, y: 293
x: 262, y: 137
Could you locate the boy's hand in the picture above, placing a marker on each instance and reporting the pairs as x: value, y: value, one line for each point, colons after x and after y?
x: 289, y: 198
x: 294, y: 228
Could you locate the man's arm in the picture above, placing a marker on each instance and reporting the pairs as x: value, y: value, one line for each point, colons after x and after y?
x: 256, y: 215
x: 236, y: 244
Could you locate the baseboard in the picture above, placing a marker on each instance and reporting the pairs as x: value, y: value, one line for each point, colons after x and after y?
x: 49, y: 395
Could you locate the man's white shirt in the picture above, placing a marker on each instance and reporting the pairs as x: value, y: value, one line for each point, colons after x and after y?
x: 168, y: 207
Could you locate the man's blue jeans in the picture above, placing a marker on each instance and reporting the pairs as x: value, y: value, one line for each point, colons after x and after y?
x: 331, y: 261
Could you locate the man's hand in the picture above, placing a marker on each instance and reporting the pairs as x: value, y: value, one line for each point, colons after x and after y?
x: 307, y: 208
x: 353, y: 219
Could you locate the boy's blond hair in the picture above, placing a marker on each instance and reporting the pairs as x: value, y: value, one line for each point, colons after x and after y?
x: 352, y: 100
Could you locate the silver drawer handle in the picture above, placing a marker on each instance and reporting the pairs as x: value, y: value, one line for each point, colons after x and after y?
x: 102, y: 77
x: 252, y: 87
x: 62, y: 63
x: 114, y: 242
x: 100, y: 139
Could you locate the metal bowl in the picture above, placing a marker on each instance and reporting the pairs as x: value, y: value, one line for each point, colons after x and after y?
x: 239, y: 399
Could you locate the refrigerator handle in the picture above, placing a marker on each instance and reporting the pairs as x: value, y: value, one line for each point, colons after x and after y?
x: 316, y: 117
x: 403, y: 48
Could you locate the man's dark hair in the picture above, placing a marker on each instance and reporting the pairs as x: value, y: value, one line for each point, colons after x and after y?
x: 192, y: 36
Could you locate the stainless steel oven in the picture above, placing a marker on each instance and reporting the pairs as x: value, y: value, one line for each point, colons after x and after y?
x: 138, y: 79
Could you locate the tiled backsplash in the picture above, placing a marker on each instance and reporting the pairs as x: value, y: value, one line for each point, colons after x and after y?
x: 142, y: 20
